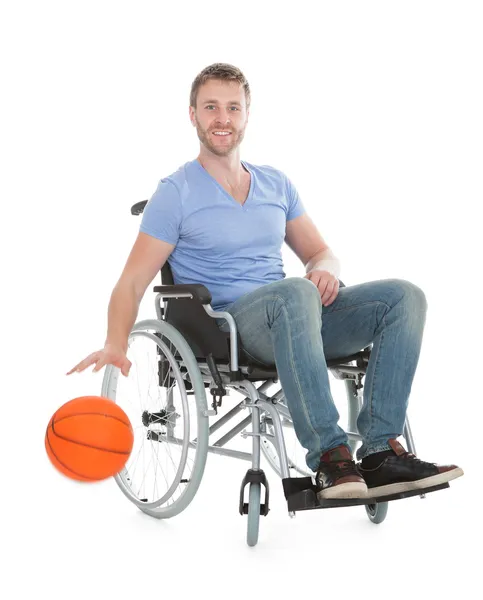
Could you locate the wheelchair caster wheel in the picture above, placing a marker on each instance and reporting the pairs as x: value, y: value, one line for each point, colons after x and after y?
x: 377, y: 512
x: 254, y: 479
x: 253, y: 514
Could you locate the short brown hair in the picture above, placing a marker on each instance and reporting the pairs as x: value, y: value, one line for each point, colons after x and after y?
x: 222, y: 71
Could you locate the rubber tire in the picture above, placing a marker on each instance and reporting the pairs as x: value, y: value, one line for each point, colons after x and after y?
x: 109, y: 386
x: 377, y: 512
x: 253, y: 514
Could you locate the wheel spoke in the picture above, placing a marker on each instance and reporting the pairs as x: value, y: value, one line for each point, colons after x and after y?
x: 164, y: 418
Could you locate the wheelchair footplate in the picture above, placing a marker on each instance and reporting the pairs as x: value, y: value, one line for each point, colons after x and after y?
x: 301, y: 494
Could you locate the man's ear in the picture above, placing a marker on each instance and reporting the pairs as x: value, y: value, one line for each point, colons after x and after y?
x: 192, y: 116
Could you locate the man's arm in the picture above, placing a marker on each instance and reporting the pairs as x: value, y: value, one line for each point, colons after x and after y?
x: 303, y: 237
x: 146, y: 259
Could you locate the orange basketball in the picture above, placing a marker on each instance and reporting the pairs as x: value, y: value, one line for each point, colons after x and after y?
x: 89, y: 438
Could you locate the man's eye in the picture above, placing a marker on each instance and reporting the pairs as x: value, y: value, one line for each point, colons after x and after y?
x: 213, y: 106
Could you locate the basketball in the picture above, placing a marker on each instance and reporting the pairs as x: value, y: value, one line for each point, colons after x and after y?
x: 89, y: 438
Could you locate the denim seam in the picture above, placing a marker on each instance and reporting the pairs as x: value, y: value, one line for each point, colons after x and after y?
x: 376, y: 365
x: 358, y: 306
x: 246, y: 307
x: 370, y: 399
x: 292, y: 363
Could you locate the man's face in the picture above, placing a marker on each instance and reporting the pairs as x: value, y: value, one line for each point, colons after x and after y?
x: 221, y: 116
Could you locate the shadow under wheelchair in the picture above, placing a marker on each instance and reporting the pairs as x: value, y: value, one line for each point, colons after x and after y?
x: 175, y: 358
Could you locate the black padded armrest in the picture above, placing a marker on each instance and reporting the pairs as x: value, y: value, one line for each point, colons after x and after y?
x: 198, y: 291
x: 138, y: 208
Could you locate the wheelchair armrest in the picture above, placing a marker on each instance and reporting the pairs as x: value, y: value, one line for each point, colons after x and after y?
x: 197, y: 290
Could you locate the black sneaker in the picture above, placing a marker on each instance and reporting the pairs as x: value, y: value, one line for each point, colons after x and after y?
x: 401, y: 471
x: 337, y: 476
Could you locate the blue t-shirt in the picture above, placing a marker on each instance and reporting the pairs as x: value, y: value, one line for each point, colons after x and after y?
x: 230, y: 248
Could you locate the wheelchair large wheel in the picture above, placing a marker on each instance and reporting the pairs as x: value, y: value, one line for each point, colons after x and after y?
x: 164, y: 398
x: 253, y: 513
x: 295, y: 452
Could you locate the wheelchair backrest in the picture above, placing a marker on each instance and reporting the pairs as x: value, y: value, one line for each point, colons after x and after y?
x: 166, y: 274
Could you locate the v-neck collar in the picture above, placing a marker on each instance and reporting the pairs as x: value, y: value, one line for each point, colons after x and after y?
x: 222, y: 189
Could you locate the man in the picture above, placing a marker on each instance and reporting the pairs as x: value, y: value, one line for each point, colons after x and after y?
x: 223, y: 221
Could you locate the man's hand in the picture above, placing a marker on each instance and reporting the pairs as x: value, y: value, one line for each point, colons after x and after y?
x: 109, y: 355
x: 327, y: 284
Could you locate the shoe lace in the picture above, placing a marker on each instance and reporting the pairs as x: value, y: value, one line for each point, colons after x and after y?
x: 345, y: 467
x: 413, y: 458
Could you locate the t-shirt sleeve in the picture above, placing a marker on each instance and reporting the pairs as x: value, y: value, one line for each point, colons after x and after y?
x: 162, y: 214
x: 295, y: 205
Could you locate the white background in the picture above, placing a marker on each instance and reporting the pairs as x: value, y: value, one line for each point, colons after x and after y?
x: 373, y: 109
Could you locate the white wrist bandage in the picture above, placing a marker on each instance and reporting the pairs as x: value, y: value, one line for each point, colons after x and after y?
x: 332, y: 265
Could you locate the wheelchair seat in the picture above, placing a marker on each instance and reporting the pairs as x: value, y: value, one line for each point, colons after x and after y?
x: 200, y: 330
x: 203, y: 334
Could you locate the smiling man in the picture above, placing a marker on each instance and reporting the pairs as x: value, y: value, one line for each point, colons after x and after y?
x: 222, y: 223
x: 219, y: 110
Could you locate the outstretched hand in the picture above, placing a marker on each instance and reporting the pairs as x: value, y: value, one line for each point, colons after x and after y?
x: 109, y: 355
x: 326, y: 283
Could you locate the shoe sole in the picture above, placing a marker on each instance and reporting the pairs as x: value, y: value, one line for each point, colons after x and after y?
x: 344, y: 490
x: 407, y: 486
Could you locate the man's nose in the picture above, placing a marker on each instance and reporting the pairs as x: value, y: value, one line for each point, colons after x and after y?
x: 223, y: 116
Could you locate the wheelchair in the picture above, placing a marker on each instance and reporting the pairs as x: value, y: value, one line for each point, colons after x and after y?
x: 183, y: 353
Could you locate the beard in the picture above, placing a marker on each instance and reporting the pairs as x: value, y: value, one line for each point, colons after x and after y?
x: 204, y: 135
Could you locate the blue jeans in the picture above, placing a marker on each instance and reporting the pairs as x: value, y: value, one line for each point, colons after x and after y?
x: 285, y: 324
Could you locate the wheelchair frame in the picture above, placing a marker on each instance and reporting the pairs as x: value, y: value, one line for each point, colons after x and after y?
x: 223, y: 363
